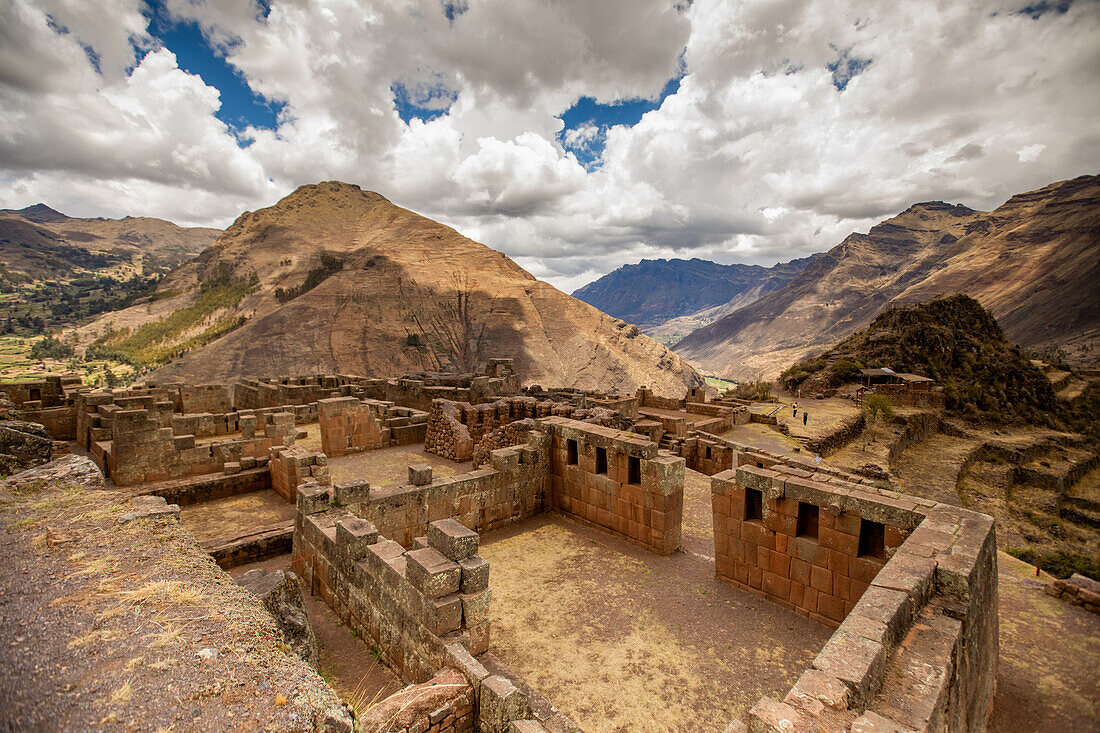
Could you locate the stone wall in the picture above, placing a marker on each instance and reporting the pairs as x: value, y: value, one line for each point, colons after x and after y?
x: 350, y: 425
x: 142, y: 449
x: 706, y: 454
x: 788, y: 535
x: 293, y: 466
x: 212, y: 398
x: 455, y: 428
x: 412, y: 603
x: 674, y: 426
x: 443, y: 704
x: 258, y: 393
x: 514, y: 486
x: 646, y: 398
x: 1077, y: 590
x: 60, y: 422
x: 34, y: 394
x: 198, y: 489
x: 616, y: 481
x: 917, y: 648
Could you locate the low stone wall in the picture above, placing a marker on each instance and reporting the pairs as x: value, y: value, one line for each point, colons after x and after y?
x: 412, y: 603
x: 142, y: 450
x: 197, y: 489
x: 917, y: 648
x: 259, y: 393
x: 60, y: 422
x: 917, y: 428
x: 514, y: 486
x: 900, y: 395
x: 845, y: 433
x: 455, y: 428
x: 625, y: 407
x: 616, y: 481
x: 706, y: 454
x: 672, y: 426
x: 1078, y: 590
x: 646, y: 398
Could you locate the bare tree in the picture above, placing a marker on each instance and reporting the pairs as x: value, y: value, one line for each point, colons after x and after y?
x: 450, y: 322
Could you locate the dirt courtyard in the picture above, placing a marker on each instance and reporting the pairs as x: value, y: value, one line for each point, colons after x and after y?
x: 391, y: 465
x: 621, y: 639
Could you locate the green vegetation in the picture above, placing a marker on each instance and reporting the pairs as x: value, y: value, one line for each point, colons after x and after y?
x: 952, y: 340
x: 33, y: 308
x: 163, y: 340
x: 720, y: 384
x: 329, y: 267
x: 51, y: 348
x: 876, y: 406
x: 1059, y: 563
x: 756, y: 390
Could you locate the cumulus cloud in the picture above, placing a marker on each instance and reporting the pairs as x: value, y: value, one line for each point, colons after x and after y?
x: 794, y: 122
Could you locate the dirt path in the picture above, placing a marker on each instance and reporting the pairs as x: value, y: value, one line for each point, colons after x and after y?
x: 623, y: 640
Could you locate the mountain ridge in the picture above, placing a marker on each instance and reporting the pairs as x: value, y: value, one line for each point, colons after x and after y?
x: 1033, y: 261
x: 371, y: 288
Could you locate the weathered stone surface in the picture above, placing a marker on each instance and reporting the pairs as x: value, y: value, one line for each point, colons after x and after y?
x: 453, y: 539
x: 420, y: 474
x: 23, y: 445
x: 433, y: 574
x: 71, y: 469
x: 150, y: 507
x: 355, y: 535
x: 475, y: 574
x: 282, y: 597
x: 501, y: 703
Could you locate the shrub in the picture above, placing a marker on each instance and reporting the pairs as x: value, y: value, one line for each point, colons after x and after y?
x: 1059, y: 563
x: 51, y: 348
x: 846, y: 369
x: 876, y: 406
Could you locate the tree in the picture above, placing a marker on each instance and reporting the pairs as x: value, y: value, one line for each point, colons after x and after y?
x: 450, y: 325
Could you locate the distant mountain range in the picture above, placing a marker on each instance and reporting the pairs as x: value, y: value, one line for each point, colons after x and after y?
x: 336, y: 279
x: 1034, y: 262
x: 39, y: 243
x: 669, y: 299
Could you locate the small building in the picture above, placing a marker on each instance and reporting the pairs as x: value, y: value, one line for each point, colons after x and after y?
x: 877, y: 376
x: 916, y: 383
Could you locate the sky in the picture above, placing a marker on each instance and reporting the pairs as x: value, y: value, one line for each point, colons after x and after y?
x: 575, y: 136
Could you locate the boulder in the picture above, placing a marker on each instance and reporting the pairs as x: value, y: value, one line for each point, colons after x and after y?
x: 23, y: 445
x: 282, y: 597
x: 70, y: 469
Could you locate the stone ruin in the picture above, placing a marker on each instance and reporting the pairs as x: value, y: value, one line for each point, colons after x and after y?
x: 908, y: 585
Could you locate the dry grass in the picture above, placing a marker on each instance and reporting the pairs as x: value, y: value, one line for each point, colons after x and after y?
x: 123, y: 694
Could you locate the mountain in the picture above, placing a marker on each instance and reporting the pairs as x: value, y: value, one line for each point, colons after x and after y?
x: 336, y: 279
x: 1034, y: 262
x: 951, y: 339
x: 670, y: 297
x: 39, y: 243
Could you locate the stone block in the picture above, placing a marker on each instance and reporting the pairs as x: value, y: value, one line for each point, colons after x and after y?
x: 769, y: 716
x: 475, y: 574
x: 475, y: 607
x: 231, y: 467
x: 872, y: 722
x: 351, y: 492
x: 313, y: 498
x: 420, y: 474
x: 431, y: 573
x: 501, y: 703
x: 453, y: 539
x: 445, y: 614
x: 355, y: 535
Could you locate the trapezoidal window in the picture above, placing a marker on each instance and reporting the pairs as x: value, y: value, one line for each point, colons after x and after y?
x: 872, y: 539
x: 708, y: 452
x: 754, y: 505
x: 571, y: 452
x: 807, y: 520
x: 601, y: 460
x: 36, y: 394
x: 634, y: 470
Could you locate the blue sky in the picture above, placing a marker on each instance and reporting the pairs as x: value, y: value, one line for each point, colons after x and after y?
x: 241, y: 107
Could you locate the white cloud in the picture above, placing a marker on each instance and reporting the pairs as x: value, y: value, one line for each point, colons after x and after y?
x: 757, y: 157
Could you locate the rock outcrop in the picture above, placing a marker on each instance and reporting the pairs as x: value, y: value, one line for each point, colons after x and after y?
x: 282, y: 597
x: 23, y: 445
